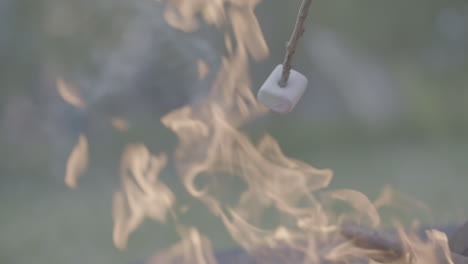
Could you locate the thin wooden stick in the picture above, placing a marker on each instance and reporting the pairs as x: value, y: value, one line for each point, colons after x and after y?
x: 293, y: 42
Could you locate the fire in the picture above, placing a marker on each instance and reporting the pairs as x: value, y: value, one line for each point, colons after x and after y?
x: 70, y: 94
x: 77, y: 162
x: 212, y: 148
x: 142, y: 194
x: 196, y: 248
x: 182, y: 14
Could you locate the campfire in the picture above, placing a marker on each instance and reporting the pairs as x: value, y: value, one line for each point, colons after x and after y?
x: 213, y: 147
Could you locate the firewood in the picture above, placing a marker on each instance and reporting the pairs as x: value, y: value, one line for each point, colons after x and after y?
x: 459, y: 240
x: 389, y: 246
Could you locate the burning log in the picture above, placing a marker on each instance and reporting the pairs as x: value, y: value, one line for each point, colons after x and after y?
x: 459, y: 240
x: 383, y: 247
x: 389, y: 246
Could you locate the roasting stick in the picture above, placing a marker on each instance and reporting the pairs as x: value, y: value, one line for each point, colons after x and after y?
x: 368, y: 238
x: 294, y: 41
x: 285, y: 86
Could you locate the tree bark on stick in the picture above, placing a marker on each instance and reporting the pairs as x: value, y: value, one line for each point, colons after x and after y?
x: 294, y: 41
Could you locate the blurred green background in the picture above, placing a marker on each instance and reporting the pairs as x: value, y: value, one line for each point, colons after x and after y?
x: 386, y: 104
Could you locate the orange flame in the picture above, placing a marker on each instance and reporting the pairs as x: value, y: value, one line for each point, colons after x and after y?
x: 434, y: 250
x: 273, y: 180
x: 77, y: 162
x: 196, y: 247
x: 70, y: 94
x: 142, y: 195
x: 212, y: 130
x: 182, y: 14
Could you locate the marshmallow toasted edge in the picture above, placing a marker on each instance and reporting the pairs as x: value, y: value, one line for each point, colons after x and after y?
x: 278, y: 99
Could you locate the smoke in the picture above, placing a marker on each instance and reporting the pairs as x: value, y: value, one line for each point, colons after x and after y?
x: 124, y: 60
x: 128, y: 49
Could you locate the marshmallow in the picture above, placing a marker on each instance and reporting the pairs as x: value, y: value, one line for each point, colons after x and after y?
x: 278, y: 99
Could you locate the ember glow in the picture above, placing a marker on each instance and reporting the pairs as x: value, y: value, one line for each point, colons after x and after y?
x: 213, y: 147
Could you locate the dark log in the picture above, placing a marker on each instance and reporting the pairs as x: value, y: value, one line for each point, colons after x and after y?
x: 360, y: 236
x: 459, y: 240
x: 390, y: 247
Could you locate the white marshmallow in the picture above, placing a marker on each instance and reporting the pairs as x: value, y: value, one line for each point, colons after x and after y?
x: 278, y: 99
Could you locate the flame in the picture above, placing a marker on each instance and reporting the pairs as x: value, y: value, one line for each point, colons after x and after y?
x: 391, y: 198
x: 213, y: 148
x: 434, y: 250
x: 182, y: 14
x: 70, y: 94
x: 196, y: 247
x: 212, y: 130
x: 77, y: 162
x: 142, y: 193
x: 120, y: 124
